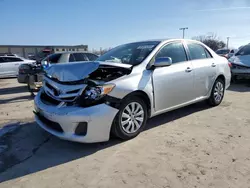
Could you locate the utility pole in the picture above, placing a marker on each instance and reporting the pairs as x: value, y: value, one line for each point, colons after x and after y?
x: 228, y: 41
x: 183, y: 31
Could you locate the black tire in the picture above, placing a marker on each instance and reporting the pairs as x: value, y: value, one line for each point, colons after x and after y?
x: 117, y: 128
x: 213, y: 101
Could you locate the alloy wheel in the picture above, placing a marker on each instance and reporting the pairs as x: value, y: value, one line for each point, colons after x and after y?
x: 132, y: 117
x: 218, y: 92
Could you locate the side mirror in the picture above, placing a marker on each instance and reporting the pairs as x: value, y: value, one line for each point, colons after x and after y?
x: 163, y: 62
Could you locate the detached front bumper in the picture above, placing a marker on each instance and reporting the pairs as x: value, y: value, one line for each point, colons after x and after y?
x: 64, y: 121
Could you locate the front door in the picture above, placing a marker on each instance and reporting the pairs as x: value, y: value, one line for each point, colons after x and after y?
x: 174, y: 84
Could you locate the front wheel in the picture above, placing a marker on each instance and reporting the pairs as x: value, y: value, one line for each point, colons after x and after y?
x: 217, y: 93
x: 131, y: 118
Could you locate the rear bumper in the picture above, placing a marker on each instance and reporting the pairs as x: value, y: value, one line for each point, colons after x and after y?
x: 240, y: 72
x: 22, y: 78
x: 99, y: 119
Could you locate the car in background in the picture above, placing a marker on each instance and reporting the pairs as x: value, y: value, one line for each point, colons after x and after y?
x: 65, y: 57
x: 241, y: 63
x: 33, y: 75
x: 9, y: 65
x: 31, y: 56
x: 227, y: 53
x: 117, y: 93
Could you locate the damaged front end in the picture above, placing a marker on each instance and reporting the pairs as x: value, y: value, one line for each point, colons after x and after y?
x: 82, y: 84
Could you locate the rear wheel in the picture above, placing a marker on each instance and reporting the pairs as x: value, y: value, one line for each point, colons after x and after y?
x: 131, y: 118
x: 217, y: 93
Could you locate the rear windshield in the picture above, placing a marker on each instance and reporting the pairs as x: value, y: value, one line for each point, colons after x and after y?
x: 224, y: 51
x: 244, y: 51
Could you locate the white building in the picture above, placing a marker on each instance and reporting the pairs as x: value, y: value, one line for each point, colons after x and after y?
x: 25, y: 50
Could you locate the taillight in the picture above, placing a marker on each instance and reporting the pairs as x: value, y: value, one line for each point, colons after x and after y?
x: 21, y: 71
x: 230, y: 64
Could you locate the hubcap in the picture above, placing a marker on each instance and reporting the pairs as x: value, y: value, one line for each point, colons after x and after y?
x: 218, y: 91
x: 132, y: 117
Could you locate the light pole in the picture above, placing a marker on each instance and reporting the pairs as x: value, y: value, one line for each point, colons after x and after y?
x: 228, y: 41
x: 183, y: 31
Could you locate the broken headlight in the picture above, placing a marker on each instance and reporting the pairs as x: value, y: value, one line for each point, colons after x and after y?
x: 97, y: 92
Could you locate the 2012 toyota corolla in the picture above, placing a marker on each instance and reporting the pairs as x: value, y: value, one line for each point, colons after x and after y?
x: 116, y: 94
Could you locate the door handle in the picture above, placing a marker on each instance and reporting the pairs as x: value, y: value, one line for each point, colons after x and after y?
x: 213, y: 65
x: 17, y: 64
x: 188, y: 69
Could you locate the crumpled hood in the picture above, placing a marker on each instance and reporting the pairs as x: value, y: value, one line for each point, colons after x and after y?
x: 68, y: 72
x: 243, y: 60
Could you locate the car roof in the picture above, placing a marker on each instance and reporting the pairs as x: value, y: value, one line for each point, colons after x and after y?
x: 168, y: 40
x: 4, y: 56
x: 73, y: 52
x: 9, y: 56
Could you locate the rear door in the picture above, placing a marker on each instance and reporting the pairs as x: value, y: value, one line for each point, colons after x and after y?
x: 204, y: 67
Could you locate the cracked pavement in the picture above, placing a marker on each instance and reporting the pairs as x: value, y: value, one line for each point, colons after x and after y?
x: 195, y: 146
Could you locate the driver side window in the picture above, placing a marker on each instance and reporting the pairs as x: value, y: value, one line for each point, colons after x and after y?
x: 174, y: 50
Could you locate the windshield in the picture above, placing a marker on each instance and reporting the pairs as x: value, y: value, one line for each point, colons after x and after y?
x: 133, y: 53
x: 244, y: 51
x: 224, y: 51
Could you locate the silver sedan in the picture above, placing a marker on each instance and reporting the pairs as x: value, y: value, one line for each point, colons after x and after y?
x: 9, y: 65
x: 116, y: 94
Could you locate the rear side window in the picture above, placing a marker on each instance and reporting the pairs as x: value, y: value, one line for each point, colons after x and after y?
x: 174, y: 50
x: 16, y: 59
x: 54, y: 58
x: 197, y: 51
x: 92, y: 57
x: 10, y: 59
x: 80, y: 57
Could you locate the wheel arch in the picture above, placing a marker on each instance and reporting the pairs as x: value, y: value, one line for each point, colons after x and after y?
x: 222, y: 77
x: 142, y: 95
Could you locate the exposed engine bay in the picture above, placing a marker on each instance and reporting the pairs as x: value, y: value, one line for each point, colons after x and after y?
x: 108, y: 73
x: 72, y: 85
